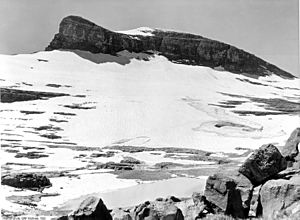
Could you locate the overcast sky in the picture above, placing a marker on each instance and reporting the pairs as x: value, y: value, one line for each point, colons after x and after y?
x: 266, y: 28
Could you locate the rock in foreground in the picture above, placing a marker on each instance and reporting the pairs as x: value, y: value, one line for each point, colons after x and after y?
x: 263, y: 164
x: 280, y: 199
x: 26, y: 181
x: 92, y: 208
x: 158, y: 210
x: 230, y: 193
x: 291, y: 149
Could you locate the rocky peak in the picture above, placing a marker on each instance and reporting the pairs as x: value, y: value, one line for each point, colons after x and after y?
x: 78, y: 33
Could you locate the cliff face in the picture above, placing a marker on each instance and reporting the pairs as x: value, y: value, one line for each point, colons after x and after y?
x: 78, y: 33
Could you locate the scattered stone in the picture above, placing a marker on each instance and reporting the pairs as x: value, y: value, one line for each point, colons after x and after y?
x: 26, y: 181
x: 263, y: 164
x: 230, y: 193
x: 91, y: 208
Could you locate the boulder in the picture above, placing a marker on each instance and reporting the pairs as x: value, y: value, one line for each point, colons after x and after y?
x: 230, y: 193
x: 263, y: 164
x: 280, y: 199
x: 92, y: 208
x: 26, y: 181
x: 77, y: 33
x: 158, y: 210
x: 291, y: 149
x: 121, y: 214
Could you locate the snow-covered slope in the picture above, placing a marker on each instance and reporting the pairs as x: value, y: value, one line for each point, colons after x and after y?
x: 144, y: 103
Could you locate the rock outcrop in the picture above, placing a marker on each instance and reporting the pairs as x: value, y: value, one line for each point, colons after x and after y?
x: 26, y: 181
x: 280, y: 199
x: 291, y: 149
x: 263, y: 164
x: 17, y: 95
x: 80, y: 34
x: 92, y: 208
x: 230, y: 193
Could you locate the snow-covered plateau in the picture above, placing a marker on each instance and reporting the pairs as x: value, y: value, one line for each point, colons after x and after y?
x: 112, y: 103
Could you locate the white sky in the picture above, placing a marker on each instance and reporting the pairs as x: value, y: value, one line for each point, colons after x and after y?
x: 266, y: 28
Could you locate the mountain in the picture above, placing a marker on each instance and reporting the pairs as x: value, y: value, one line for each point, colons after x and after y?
x: 78, y: 33
x: 103, y: 112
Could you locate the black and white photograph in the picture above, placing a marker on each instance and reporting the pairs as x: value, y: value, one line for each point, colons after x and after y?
x: 149, y: 109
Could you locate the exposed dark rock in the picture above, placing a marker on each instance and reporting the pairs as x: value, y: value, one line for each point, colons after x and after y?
x: 291, y: 149
x: 172, y: 199
x: 31, y: 112
x: 78, y: 33
x: 230, y: 193
x: 16, y: 95
x: 263, y: 164
x: 64, y: 113
x: 26, y: 180
x: 167, y: 165
x: 106, y: 154
x: 116, y: 166
x: 31, y: 155
x: 280, y: 199
x: 79, y: 106
x: 92, y: 208
x: 51, y: 136
x: 130, y: 160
